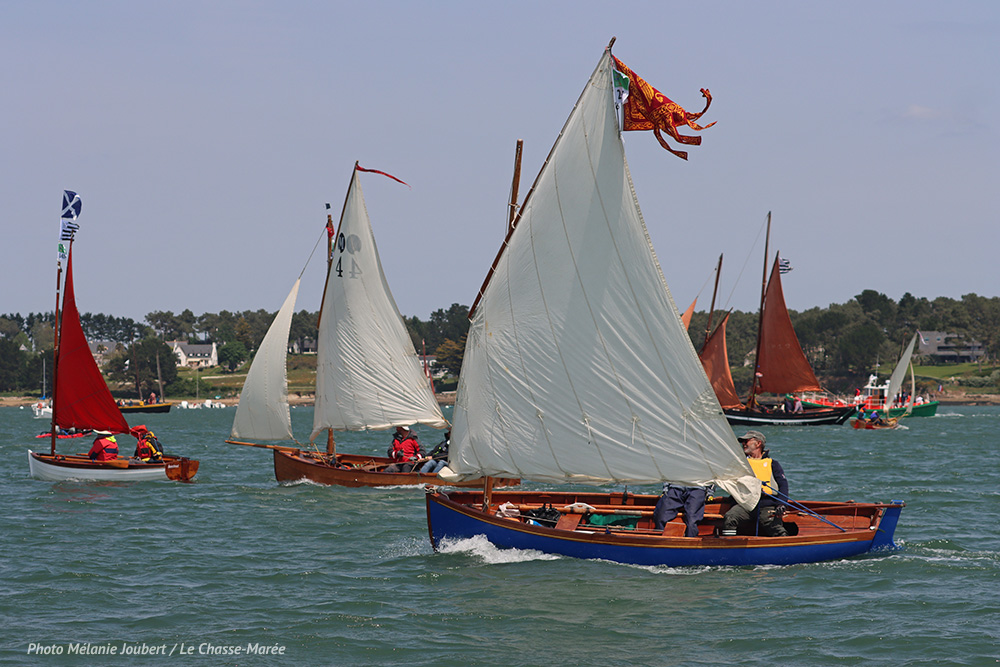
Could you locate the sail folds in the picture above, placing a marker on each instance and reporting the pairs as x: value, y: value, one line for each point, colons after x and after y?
x: 577, y: 366
x: 782, y: 366
x: 81, y: 397
x: 368, y: 374
x: 263, y: 410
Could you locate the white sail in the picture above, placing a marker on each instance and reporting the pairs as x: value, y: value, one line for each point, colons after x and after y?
x: 577, y: 367
x: 263, y: 410
x: 899, y: 374
x: 368, y: 375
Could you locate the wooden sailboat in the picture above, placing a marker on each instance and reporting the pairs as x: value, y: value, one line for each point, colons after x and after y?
x: 578, y: 370
x: 81, y: 400
x: 368, y: 374
x: 782, y: 367
x: 893, y: 387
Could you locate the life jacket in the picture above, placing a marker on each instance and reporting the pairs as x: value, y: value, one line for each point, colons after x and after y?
x: 105, y: 449
x: 146, y: 449
x: 762, y: 469
x: 406, y: 448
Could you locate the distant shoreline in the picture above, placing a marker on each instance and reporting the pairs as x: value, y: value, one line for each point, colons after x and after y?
x: 448, y: 398
x: 443, y: 398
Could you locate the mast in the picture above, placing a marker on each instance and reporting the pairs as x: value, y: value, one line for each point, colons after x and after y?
x: 55, y: 354
x: 711, y: 310
x: 331, y: 445
x: 159, y: 377
x: 514, y: 186
x: 751, y: 400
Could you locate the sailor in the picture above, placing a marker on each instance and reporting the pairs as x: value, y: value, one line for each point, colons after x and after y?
x: 105, y: 447
x: 689, y: 498
x: 774, y: 486
x: 148, y: 447
x: 405, y: 450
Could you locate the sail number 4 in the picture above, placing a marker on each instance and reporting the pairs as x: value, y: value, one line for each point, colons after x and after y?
x: 351, y: 244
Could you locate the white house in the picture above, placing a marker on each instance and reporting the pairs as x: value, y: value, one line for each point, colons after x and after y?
x: 195, y: 356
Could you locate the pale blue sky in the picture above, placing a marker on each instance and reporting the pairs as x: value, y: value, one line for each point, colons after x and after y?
x: 205, y: 138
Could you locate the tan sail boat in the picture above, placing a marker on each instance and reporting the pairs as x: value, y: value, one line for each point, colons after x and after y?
x: 368, y: 376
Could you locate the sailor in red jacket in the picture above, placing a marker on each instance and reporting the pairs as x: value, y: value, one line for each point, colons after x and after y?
x: 405, y: 450
x: 105, y: 447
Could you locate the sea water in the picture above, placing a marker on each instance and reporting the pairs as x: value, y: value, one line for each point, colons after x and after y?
x: 235, y: 569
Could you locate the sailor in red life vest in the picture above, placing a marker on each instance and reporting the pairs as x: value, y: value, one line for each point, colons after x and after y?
x: 405, y: 450
x: 105, y: 447
x: 148, y: 447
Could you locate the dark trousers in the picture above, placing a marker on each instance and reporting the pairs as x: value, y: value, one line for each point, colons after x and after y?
x: 768, y: 518
x: 689, y: 498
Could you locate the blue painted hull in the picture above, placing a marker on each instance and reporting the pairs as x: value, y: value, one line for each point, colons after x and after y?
x: 450, y: 520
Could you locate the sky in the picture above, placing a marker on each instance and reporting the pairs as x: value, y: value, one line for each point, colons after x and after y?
x: 206, y: 138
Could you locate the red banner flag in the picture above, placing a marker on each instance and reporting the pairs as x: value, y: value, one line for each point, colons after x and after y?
x: 376, y: 171
x: 646, y: 108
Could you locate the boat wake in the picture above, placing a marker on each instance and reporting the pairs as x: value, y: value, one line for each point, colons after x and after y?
x: 481, y: 549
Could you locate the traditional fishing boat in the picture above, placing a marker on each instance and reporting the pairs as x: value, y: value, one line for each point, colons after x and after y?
x: 81, y: 400
x: 782, y: 367
x: 142, y: 406
x: 368, y: 376
x: 876, y: 420
x: 578, y: 370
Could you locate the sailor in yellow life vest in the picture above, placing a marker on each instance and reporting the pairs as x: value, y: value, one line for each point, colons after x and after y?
x: 148, y: 447
x: 769, y: 509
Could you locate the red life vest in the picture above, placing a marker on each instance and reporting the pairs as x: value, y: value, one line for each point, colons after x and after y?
x: 104, y: 449
x: 146, y: 448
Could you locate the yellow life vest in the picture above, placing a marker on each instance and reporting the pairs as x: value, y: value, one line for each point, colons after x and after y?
x: 762, y: 469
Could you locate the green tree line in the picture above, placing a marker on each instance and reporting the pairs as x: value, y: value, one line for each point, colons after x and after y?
x: 844, y: 342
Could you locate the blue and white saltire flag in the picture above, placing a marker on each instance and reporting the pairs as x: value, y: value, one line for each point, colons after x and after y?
x: 67, y: 225
x: 784, y: 266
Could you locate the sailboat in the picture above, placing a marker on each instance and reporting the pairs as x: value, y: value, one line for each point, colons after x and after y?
x: 81, y: 400
x: 892, y: 388
x: 781, y: 368
x: 578, y: 370
x: 368, y: 376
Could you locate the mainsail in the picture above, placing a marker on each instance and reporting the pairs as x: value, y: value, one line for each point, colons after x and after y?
x: 715, y: 358
x: 781, y: 364
x: 577, y: 367
x: 899, y: 374
x: 368, y: 375
x: 263, y: 410
x: 81, y: 398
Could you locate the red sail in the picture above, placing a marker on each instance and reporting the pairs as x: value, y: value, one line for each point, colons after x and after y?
x: 82, y: 398
x: 715, y: 359
x: 686, y: 317
x: 782, y: 366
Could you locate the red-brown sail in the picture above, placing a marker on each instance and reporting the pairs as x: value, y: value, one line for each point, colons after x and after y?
x: 81, y: 397
x: 782, y: 366
x: 715, y: 359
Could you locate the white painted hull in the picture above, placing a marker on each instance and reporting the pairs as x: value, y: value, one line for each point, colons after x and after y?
x: 58, y: 473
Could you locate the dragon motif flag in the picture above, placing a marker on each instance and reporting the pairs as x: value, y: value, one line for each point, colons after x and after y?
x: 646, y: 108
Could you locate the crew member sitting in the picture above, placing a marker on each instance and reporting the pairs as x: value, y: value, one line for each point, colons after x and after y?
x: 105, y: 447
x: 405, y: 450
x: 148, y: 448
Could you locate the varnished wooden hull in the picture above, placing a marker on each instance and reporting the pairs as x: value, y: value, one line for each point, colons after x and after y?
x: 146, y: 407
x: 353, y: 470
x: 79, y: 467
x: 860, y: 528
x: 865, y: 424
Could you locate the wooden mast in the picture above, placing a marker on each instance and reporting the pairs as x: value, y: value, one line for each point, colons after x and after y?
x: 55, y: 352
x: 514, y: 186
x: 711, y: 310
x: 751, y: 400
x: 331, y: 445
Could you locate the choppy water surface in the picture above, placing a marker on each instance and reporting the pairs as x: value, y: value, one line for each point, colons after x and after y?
x: 347, y: 577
